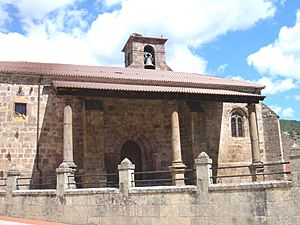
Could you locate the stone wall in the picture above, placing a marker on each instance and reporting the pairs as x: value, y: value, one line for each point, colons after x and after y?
x: 272, y: 135
x: 272, y: 203
x: 259, y: 203
x: 18, y: 134
x: 236, y: 151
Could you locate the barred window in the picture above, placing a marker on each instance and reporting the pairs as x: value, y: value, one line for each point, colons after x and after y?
x: 20, y: 109
x: 237, y: 126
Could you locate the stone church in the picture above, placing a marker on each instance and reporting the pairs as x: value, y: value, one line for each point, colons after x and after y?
x: 158, y: 118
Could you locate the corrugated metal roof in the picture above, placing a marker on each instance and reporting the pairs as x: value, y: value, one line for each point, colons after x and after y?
x: 128, y: 75
x: 148, y: 88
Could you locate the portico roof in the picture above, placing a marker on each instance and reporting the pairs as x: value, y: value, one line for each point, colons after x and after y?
x: 132, y: 79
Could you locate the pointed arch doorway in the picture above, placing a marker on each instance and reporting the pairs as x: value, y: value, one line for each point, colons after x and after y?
x: 132, y: 151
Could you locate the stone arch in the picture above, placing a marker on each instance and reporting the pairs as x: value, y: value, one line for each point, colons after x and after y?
x: 146, y: 150
x: 149, y: 53
x: 131, y: 150
x: 147, y: 153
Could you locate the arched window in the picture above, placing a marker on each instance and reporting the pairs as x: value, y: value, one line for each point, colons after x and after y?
x: 237, y: 129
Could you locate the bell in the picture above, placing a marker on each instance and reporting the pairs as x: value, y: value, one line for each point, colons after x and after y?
x: 149, y: 64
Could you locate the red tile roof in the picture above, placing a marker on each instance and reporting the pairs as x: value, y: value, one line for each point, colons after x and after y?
x: 126, y: 76
x: 149, y: 88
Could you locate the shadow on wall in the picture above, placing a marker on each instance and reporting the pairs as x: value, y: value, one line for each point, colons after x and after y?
x: 50, y: 143
x: 200, y: 132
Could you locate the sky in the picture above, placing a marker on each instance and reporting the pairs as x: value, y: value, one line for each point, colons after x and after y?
x: 251, y: 40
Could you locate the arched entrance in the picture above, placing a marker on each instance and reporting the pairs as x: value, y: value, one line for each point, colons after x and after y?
x: 132, y: 151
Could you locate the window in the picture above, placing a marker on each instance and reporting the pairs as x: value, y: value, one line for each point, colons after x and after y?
x: 20, y: 109
x: 236, y: 126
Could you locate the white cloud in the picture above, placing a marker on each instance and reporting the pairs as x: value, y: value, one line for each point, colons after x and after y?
x: 297, y: 97
x: 288, y: 112
x: 282, y: 57
x: 36, y: 9
x: 56, y: 35
x: 183, y: 59
x: 222, y: 67
x: 272, y: 86
x: 276, y: 86
x: 284, y: 112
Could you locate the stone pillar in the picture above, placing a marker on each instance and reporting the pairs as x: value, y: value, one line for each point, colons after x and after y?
x: 68, y: 137
x: 295, y: 164
x: 254, y: 134
x: 203, y: 171
x: 177, y: 167
x: 255, y: 167
x: 65, y: 178
x: 126, y: 176
x: 11, y: 182
x: 11, y: 185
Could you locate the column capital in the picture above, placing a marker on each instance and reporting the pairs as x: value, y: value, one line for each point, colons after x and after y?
x: 251, y: 106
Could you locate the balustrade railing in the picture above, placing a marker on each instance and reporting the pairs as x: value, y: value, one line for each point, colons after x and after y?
x: 46, y: 182
x: 255, y: 170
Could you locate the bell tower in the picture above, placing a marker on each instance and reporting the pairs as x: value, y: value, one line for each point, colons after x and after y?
x: 145, y: 52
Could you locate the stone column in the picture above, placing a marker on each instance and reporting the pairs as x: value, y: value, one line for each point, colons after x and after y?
x: 295, y: 164
x: 126, y: 176
x: 68, y: 137
x: 254, y: 133
x: 255, y: 149
x: 203, y: 171
x: 177, y: 167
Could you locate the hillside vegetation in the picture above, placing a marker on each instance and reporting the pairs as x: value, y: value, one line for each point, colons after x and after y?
x: 292, y: 127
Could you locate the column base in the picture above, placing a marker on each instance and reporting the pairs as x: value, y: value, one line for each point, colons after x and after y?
x: 255, y: 168
x: 68, y: 168
x: 177, y: 171
x: 71, y: 165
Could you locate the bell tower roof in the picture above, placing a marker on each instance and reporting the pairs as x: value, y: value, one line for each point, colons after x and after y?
x: 145, y: 40
x: 145, y: 52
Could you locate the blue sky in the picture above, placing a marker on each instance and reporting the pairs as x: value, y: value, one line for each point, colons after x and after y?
x: 253, y: 40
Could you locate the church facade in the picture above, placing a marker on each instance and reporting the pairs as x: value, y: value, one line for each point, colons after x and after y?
x: 158, y: 118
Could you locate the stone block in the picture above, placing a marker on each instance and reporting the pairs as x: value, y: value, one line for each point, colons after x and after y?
x: 143, y: 221
x: 200, y: 221
x: 110, y: 221
x: 159, y: 220
x: 180, y: 221
x: 151, y: 211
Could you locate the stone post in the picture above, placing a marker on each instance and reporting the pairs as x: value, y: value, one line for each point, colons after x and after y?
x: 68, y: 137
x: 11, y: 185
x: 177, y: 167
x: 65, y: 178
x: 255, y: 149
x: 126, y: 176
x: 203, y: 171
x: 11, y: 182
x: 295, y: 164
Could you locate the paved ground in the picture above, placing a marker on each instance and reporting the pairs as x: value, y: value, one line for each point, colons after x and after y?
x: 5, y: 220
